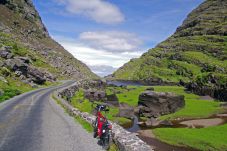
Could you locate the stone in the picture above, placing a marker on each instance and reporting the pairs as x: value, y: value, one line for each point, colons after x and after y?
x: 69, y: 92
x: 152, y: 122
x: 166, y: 123
x: 24, y: 59
x: 112, y: 100
x: 3, y: 79
x: 5, y: 52
x: 154, y: 104
x: 36, y: 75
x: 95, y: 95
x: 16, y: 64
x: 18, y: 73
x: 126, y: 111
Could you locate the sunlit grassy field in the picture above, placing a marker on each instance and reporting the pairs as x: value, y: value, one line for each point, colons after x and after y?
x: 207, y: 139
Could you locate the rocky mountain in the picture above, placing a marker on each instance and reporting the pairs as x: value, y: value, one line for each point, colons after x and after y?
x: 28, y: 52
x: 195, y: 55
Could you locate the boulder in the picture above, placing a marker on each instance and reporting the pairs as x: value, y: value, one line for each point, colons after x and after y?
x: 112, y: 100
x: 16, y: 64
x: 69, y: 92
x: 95, y: 95
x: 24, y: 59
x: 5, y: 52
x: 152, y: 122
x: 36, y: 75
x: 154, y: 104
x: 126, y: 111
x: 3, y: 79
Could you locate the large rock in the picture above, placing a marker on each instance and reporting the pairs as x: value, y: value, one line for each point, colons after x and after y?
x: 126, y: 111
x: 69, y: 92
x: 16, y: 64
x: 36, y: 75
x: 3, y: 79
x: 154, y: 104
x: 95, y: 95
x: 112, y: 100
x: 5, y: 52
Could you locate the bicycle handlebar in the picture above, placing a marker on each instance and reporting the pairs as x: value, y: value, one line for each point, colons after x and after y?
x: 101, y: 107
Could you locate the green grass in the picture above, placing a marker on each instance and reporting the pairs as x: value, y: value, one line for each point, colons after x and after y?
x: 206, y: 139
x: 84, y: 124
x: 78, y: 119
x: 85, y: 105
x: 12, y: 88
x: 194, y: 107
x: 130, y: 97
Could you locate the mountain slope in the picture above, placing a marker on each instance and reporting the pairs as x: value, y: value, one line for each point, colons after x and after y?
x: 196, y: 53
x: 21, y: 27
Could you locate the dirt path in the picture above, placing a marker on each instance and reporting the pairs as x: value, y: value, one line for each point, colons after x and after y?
x: 203, y: 122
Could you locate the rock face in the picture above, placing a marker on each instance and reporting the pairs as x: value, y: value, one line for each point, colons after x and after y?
x: 22, y: 68
x: 196, y: 50
x: 126, y: 111
x: 112, y: 100
x: 22, y: 22
x: 211, y: 85
x: 68, y: 93
x: 95, y: 95
x: 154, y: 104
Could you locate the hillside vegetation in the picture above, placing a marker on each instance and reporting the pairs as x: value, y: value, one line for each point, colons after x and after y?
x: 196, y: 52
x: 20, y: 20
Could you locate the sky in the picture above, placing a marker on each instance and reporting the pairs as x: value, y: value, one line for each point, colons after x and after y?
x: 106, y: 34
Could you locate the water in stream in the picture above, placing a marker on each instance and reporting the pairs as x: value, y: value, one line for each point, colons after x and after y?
x: 145, y: 133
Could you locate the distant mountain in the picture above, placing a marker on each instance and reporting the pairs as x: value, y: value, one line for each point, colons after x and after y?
x: 196, y: 54
x: 28, y: 51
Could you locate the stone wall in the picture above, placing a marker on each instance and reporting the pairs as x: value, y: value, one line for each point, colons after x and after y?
x: 126, y: 141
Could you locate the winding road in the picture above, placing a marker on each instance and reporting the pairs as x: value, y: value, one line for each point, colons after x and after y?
x: 34, y: 122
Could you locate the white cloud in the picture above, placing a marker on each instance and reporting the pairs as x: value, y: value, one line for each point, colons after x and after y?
x: 96, y: 57
x: 112, y: 41
x: 99, y: 10
x: 102, y: 70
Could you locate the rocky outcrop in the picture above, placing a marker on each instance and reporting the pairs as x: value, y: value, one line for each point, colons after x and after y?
x: 211, y: 84
x: 92, y: 84
x: 126, y: 141
x: 95, y: 95
x: 68, y: 93
x: 126, y: 111
x: 22, y: 22
x: 112, y: 100
x: 154, y: 104
x: 23, y: 69
x: 198, y: 47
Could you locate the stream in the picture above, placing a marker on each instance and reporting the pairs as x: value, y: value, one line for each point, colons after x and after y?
x: 145, y: 133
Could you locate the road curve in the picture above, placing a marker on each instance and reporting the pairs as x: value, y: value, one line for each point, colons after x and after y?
x: 34, y: 122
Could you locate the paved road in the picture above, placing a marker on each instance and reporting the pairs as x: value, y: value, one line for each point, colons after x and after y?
x: 34, y: 122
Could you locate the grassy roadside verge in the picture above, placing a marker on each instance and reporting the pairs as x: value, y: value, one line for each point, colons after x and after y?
x: 14, y: 87
x: 85, y: 105
x: 88, y: 127
x: 78, y: 119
